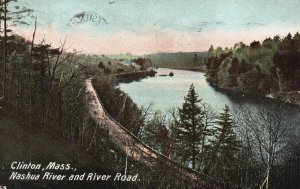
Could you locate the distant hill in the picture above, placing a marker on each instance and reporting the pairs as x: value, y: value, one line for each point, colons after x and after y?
x: 122, y: 57
x: 180, y: 60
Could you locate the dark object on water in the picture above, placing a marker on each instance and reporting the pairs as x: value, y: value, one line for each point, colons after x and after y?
x: 171, y: 74
x: 152, y: 73
x: 163, y: 75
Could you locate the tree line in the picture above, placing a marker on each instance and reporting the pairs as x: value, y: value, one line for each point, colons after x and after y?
x: 262, y: 67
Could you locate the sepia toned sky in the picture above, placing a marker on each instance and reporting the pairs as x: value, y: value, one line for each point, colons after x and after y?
x: 148, y: 26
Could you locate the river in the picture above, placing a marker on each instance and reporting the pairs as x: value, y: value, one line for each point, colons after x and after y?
x: 167, y: 92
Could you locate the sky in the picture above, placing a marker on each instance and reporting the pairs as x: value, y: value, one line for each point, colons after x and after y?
x: 149, y: 26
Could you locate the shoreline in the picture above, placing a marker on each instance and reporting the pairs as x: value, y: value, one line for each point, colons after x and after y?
x: 136, y: 76
x: 186, y: 69
x: 287, y: 97
x: 268, y: 97
x: 292, y: 97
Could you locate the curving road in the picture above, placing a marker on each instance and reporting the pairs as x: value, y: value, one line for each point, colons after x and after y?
x: 134, y: 148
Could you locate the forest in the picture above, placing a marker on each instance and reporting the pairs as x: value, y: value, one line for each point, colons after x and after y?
x: 262, y: 68
x: 179, y: 60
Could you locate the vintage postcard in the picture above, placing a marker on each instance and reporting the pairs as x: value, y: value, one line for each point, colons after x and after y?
x: 136, y: 94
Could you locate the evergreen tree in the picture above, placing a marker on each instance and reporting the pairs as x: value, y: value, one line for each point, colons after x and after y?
x: 209, y: 121
x: 189, y: 128
x: 287, y: 62
x: 9, y: 17
x: 3, y: 13
x: 224, y: 146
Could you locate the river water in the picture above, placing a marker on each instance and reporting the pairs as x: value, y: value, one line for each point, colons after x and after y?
x: 167, y: 92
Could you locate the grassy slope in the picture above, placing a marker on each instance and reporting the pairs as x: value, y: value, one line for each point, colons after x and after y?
x: 46, y: 146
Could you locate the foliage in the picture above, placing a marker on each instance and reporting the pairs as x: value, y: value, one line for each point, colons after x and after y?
x: 45, y: 86
x: 224, y: 148
x: 262, y: 68
x: 189, y: 128
x: 268, y: 134
x: 119, y: 105
x: 156, y: 134
x: 287, y: 60
x: 180, y: 60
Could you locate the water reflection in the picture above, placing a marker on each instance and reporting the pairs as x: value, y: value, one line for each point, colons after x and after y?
x: 168, y: 92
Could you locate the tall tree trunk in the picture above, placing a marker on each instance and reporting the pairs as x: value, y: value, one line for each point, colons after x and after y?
x: 194, y: 156
x: 42, y: 73
x: 48, y: 107
x: 60, y: 112
x: 30, y: 85
x: 280, y: 80
x: 5, y: 50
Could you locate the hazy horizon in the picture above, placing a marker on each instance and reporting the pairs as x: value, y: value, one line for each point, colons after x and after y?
x: 146, y: 27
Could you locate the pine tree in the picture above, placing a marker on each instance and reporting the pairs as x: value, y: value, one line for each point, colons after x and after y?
x: 209, y: 121
x: 9, y: 17
x: 224, y: 146
x: 189, y: 128
x: 3, y: 13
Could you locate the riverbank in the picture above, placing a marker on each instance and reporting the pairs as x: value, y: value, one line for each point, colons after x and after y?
x: 292, y: 97
x: 131, y: 76
x: 138, y: 151
x: 186, y: 69
x: 137, y: 76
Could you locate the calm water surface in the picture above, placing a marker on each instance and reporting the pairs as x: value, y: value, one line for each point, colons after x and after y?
x: 168, y: 92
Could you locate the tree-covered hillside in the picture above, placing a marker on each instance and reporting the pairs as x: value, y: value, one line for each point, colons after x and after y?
x: 261, y: 67
x: 180, y: 60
